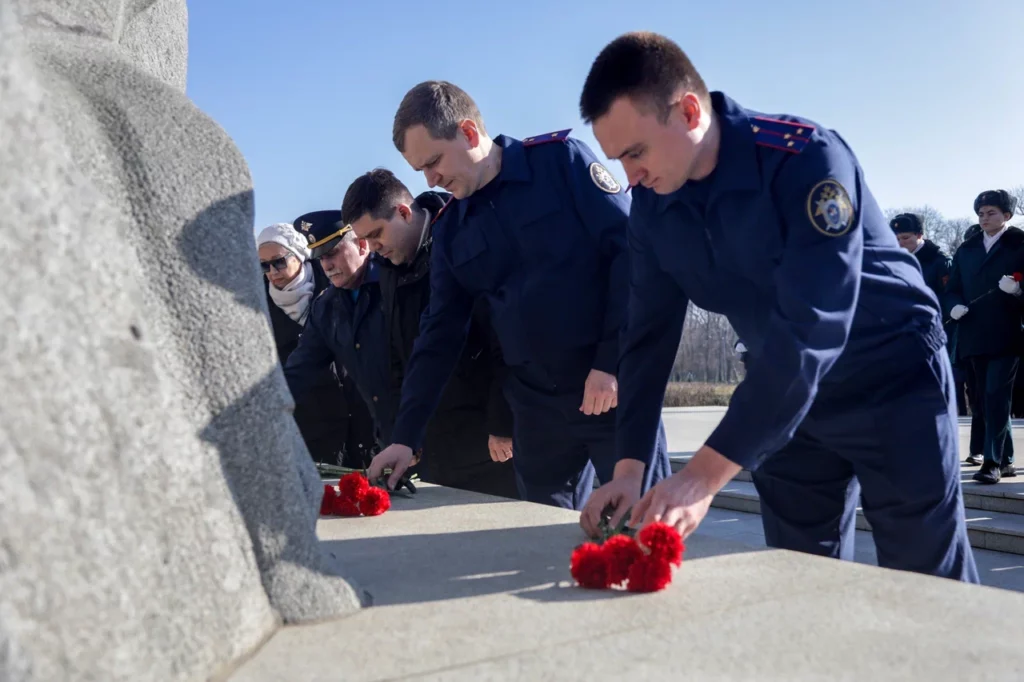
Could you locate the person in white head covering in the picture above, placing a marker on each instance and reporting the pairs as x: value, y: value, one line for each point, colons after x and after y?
x: 284, y: 258
x: 293, y: 280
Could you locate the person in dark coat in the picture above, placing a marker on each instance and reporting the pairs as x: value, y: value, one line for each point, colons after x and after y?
x: 984, y: 297
x: 328, y: 419
x: 345, y: 324
x: 935, y: 266
x: 970, y: 386
x: 468, y: 442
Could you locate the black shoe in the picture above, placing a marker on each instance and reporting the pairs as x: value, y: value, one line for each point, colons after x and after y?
x: 1008, y: 471
x: 989, y: 473
x: 974, y: 460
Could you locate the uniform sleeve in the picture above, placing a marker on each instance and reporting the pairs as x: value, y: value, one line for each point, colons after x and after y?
x: 436, y: 351
x: 954, y: 294
x: 603, y: 207
x: 306, y: 365
x: 817, y: 196
x: 499, y: 413
x: 650, y: 340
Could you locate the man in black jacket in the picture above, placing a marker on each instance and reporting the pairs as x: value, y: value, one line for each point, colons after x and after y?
x: 468, y: 442
x: 984, y: 297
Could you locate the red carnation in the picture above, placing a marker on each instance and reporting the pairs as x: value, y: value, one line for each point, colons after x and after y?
x: 353, y: 486
x: 345, y: 507
x: 327, y: 501
x: 663, y: 541
x: 649, y: 574
x: 589, y: 567
x: 620, y: 551
x: 375, y: 502
x: 1017, y: 277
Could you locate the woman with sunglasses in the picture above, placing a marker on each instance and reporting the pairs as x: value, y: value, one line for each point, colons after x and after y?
x: 293, y: 280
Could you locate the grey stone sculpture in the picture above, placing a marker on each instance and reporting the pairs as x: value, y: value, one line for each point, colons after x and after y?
x: 157, y: 504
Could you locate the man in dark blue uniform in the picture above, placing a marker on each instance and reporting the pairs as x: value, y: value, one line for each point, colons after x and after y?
x: 768, y: 221
x: 538, y: 228
x: 985, y: 300
x: 346, y: 320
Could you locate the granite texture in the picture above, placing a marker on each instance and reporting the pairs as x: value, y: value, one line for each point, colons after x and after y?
x: 157, y: 503
x: 481, y: 591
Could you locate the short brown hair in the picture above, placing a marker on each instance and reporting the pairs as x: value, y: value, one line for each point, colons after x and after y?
x: 439, y: 106
x: 647, y: 68
x: 377, y: 192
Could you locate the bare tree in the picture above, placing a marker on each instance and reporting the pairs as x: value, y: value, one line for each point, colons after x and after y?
x: 706, y: 349
x: 1018, y: 192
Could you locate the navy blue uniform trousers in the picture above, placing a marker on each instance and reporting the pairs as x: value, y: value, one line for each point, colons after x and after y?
x: 557, y: 450
x: 888, y: 438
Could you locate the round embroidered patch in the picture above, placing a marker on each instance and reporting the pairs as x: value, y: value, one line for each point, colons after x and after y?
x: 603, y: 179
x: 830, y: 209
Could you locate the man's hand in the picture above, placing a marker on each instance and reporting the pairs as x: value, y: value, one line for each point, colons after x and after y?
x: 682, y: 500
x: 500, y: 447
x: 600, y: 393
x: 958, y: 311
x: 396, y: 457
x: 1009, y: 285
x: 621, y: 493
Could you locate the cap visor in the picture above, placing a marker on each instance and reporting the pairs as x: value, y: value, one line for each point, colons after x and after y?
x: 324, y: 248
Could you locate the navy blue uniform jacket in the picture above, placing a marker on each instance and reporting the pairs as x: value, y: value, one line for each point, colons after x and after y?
x: 352, y: 334
x: 785, y: 239
x: 545, y: 243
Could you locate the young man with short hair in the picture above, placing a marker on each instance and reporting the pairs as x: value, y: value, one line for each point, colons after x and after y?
x: 768, y: 220
x: 537, y: 228
x: 468, y: 441
x: 985, y: 300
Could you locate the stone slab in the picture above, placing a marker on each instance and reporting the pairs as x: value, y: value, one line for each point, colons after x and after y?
x: 470, y: 588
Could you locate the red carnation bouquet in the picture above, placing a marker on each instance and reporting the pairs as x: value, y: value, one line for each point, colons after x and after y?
x: 354, y: 496
x: 638, y: 562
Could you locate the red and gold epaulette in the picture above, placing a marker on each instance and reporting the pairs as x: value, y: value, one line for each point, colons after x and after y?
x: 547, y: 137
x: 785, y: 135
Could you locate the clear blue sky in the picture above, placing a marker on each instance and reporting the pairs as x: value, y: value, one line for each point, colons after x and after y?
x: 928, y: 94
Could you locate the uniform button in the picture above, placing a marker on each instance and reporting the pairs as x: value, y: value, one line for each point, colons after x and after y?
x: 357, y: 346
x: 374, y: 398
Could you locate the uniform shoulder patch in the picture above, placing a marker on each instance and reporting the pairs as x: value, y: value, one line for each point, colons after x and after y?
x: 442, y: 209
x: 829, y: 208
x: 785, y: 135
x: 557, y: 136
x: 604, y: 180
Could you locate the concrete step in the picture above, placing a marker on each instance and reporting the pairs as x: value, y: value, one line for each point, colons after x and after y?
x: 995, y: 514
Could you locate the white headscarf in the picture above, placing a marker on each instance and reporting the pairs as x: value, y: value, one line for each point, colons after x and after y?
x: 288, y: 237
x: 295, y: 297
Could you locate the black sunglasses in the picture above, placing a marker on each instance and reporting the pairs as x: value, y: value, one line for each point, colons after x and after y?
x: 278, y: 263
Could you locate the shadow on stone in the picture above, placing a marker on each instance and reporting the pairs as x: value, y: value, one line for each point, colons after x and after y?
x: 410, y: 569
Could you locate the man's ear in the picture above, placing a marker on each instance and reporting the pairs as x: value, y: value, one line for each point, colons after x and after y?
x: 405, y: 211
x: 470, y: 131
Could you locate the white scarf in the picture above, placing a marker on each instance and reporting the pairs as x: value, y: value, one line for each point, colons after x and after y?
x: 294, y: 299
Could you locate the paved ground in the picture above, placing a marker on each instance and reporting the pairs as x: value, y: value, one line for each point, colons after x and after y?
x: 688, y: 427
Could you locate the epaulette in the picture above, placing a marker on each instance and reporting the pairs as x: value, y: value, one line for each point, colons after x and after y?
x: 547, y: 137
x: 446, y: 205
x: 784, y: 135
